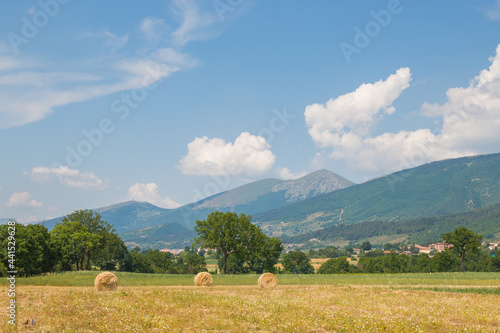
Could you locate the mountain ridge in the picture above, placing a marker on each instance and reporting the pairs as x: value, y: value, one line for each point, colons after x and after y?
x: 251, y: 198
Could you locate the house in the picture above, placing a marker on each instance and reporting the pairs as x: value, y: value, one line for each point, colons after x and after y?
x: 423, y: 249
x: 441, y: 246
x: 173, y: 251
x: 357, y: 251
x: 494, y: 246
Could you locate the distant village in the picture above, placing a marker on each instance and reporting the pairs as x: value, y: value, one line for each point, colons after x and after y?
x: 410, y: 249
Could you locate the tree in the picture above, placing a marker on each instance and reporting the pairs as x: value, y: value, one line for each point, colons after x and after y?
x: 82, y: 237
x: 191, y: 262
x: 334, y: 266
x: 463, y: 240
x: 32, y: 249
x: 72, y: 242
x: 297, y: 262
x: 263, y: 252
x: 234, y: 235
x: 366, y: 246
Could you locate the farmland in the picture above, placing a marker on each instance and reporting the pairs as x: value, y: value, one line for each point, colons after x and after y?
x: 302, y: 303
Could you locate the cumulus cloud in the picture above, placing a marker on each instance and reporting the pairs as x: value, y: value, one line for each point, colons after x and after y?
x: 23, y: 199
x: 69, y: 177
x: 355, y: 112
x: 471, y: 115
x: 149, y: 193
x: 248, y: 155
x: 286, y: 174
x: 470, y: 124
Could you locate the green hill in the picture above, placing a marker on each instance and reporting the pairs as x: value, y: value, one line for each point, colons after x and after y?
x: 438, y: 188
x: 484, y: 221
x: 169, y: 235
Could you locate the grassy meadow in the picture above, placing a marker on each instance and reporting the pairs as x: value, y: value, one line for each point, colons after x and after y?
x: 439, y: 302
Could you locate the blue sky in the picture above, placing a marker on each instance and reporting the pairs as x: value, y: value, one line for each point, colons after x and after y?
x: 172, y: 101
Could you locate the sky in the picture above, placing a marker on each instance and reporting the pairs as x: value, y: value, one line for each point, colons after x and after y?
x: 173, y: 101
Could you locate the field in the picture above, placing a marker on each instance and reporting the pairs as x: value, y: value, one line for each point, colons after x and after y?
x: 444, y: 302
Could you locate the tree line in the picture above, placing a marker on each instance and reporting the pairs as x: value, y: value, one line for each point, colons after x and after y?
x: 83, y: 241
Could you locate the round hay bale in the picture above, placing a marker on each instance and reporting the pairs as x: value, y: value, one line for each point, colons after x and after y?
x: 106, y: 281
x: 203, y: 279
x: 268, y: 280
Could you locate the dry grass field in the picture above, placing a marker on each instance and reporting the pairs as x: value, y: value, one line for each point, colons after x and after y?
x: 468, y: 305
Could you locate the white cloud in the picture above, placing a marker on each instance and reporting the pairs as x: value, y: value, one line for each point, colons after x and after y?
x: 110, y: 39
x: 36, y: 100
x: 23, y: 199
x: 493, y: 13
x: 154, y: 29
x: 195, y: 22
x: 69, y: 177
x: 355, y: 112
x: 286, y: 174
x: 44, y: 90
x: 248, y: 155
x: 149, y: 193
x: 470, y: 124
x: 471, y: 116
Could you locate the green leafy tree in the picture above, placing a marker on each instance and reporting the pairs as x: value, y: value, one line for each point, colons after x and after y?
x: 495, y: 261
x: 235, y: 236
x: 263, y: 253
x: 191, y: 262
x: 366, y: 246
x: 446, y: 261
x: 335, y: 266
x: 297, y: 262
x: 32, y: 249
x: 463, y: 240
x: 73, y: 242
x: 82, y: 237
x: 160, y: 262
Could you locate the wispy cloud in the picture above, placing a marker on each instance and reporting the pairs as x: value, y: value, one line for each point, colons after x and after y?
x: 68, y: 177
x: 492, y: 12
x: 195, y: 22
x: 44, y: 90
x: 154, y: 30
x: 110, y: 39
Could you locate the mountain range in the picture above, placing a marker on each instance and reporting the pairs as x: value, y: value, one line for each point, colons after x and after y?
x: 143, y: 224
x: 320, y: 204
